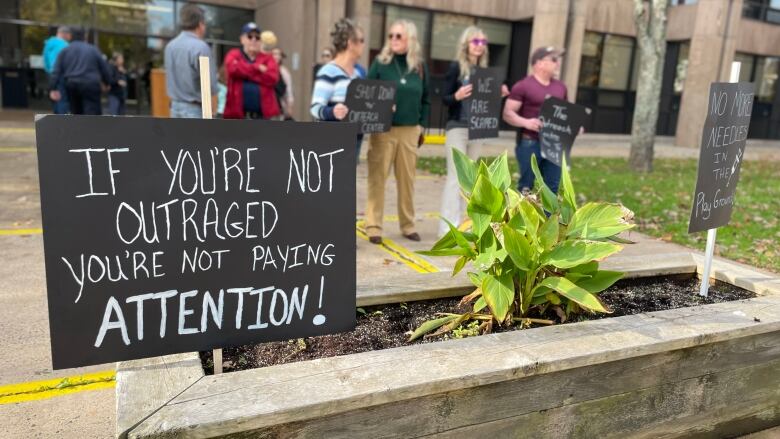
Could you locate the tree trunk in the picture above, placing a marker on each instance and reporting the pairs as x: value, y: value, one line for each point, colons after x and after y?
x: 650, y: 21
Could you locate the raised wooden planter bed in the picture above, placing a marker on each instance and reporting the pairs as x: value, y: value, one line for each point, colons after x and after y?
x: 704, y: 371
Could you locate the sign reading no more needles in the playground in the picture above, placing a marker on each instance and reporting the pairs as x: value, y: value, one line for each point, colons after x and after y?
x: 722, y: 151
x: 178, y: 235
x: 370, y: 104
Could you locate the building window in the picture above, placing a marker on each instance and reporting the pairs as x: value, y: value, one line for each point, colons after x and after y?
x: 764, y: 10
x: 681, y: 70
x: 606, y: 61
x: 446, y: 33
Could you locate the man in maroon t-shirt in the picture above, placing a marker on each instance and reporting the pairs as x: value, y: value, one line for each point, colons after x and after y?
x: 522, y: 110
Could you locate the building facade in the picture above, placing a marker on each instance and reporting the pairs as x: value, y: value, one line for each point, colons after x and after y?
x: 599, y: 67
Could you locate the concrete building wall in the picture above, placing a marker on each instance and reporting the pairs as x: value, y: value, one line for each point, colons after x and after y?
x: 512, y: 10
x: 712, y: 50
x: 758, y: 38
x: 293, y: 21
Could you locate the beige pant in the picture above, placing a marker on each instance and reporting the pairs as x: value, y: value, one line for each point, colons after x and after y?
x: 396, y: 148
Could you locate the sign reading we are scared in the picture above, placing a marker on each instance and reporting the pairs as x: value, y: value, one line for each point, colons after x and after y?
x: 483, y: 107
x: 175, y: 235
x: 720, y: 158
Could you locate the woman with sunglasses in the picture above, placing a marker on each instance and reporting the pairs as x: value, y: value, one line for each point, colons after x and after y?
x: 333, y: 78
x: 399, y: 61
x: 472, y: 52
x: 252, y: 75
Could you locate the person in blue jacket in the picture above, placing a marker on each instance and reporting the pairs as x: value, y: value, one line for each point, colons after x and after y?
x: 85, y: 73
x: 51, y: 48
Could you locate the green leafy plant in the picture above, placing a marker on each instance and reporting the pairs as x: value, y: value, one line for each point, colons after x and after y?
x: 529, y: 253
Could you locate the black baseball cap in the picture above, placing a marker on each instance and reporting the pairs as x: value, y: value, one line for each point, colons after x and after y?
x: 541, y: 52
x: 250, y: 27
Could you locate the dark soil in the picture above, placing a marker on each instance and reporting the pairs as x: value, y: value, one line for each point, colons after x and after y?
x: 387, y: 326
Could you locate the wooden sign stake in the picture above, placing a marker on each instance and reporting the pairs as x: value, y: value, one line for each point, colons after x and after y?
x: 205, y: 105
x: 712, y: 233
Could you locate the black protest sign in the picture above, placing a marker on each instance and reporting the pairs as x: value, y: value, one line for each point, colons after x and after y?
x: 370, y: 104
x: 179, y: 235
x: 483, y: 107
x: 720, y: 158
x: 561, y: 122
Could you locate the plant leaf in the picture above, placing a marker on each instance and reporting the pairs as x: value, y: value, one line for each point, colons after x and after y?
x: 499, y: 173
x: 487, y: 199
x: 600, y: 281
x: 459, y: 264
x: 570, y: 254
x: 586, y: 268
x: 480, y: 304
x: 498, y: 292
x: 466, y: 169
x: 476, y: 278
x: 430, y: 325
x: 566, y: 192
x: 445, y: 252
x: 549, y: 199
x: 566, y: 189
x: 518, y: 247
x: 471, y: 296
x: 567, y: 289
x: 548, y: 234
x: 599, y: 221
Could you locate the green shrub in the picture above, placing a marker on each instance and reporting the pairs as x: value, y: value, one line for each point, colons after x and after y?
x: 528, y: 252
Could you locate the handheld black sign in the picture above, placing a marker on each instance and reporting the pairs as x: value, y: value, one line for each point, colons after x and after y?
x: 177, y: 235
x: 483, y: 107
x: 720, y: 158
x: 561, y: 123
x: 370, y: 104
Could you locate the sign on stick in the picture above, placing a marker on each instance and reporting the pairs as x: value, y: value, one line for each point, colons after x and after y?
x: 483, y: 107
x: 721, y: 155
x: 370, y: 104
x: 561, y: 123
x: 179, y: 235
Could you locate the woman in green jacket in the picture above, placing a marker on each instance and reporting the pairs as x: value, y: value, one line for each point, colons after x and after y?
x: 399, y: 61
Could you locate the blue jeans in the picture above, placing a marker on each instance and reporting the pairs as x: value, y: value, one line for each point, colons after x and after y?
x: 186, y: 110
x: 116, y: 105
x: 62, y: 106
x: 550, y: 171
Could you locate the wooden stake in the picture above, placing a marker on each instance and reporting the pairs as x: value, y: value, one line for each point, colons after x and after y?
x: 205, y: 102
x: 712, y: 233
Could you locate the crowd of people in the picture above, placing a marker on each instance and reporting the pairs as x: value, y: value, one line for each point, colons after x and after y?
x: 253, y: 83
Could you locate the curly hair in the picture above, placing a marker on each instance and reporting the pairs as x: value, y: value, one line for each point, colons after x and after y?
x: 343, y: 31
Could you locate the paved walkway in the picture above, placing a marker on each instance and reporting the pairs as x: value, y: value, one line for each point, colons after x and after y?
x: 24, y: 333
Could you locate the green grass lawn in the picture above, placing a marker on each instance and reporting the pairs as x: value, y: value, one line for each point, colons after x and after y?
x: 661, y: 202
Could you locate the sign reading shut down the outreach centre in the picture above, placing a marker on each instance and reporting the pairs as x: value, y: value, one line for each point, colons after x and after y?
x: 722, y: 151
x: 370, y: 104
x: 177, y: 235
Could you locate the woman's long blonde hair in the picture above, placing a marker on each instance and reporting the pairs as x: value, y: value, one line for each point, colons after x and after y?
x: 462, y: 54
x: 414, y: 56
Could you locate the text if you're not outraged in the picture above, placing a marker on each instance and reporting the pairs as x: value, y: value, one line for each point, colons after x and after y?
x: 165, y: 235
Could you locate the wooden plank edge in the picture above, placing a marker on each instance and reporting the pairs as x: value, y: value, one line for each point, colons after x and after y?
x: 133, y: 378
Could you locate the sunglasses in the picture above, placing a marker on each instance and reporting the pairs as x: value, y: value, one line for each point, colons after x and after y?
x: 555, y: 59
x: 254, y: 37
x: 479, y: 41
x: 392, y: 36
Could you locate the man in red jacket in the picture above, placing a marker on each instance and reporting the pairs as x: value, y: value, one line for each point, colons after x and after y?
x: 251, y: 78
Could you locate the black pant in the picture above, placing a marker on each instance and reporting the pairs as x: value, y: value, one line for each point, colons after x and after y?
x: 84, y: 97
